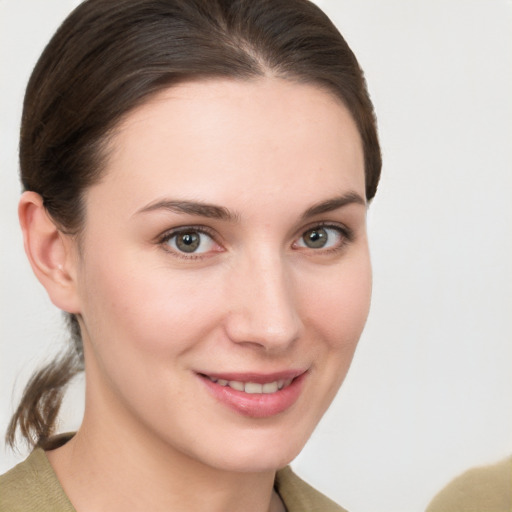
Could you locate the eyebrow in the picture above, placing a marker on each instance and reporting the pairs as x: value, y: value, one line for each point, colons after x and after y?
x: 333, y: 204
x: 192, y: 208
x: 221, y: 213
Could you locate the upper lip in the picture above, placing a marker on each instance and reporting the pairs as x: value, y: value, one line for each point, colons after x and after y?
x: 258, y: 378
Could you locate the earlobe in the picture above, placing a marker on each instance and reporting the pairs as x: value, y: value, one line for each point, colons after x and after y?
x: 50, y: 252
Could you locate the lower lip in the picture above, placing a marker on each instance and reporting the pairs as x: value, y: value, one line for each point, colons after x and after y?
x: 257, y: 405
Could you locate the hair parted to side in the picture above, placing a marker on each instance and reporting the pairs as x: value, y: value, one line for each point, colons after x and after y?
x: 107, y: 58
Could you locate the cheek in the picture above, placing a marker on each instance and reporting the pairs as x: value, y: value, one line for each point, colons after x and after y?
x: 154, y: 310
x: 146, y: 308
x: 340, y: 304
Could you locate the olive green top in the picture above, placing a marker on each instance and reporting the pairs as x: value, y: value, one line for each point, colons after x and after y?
x: 482, y: 489
x: 32, y: 486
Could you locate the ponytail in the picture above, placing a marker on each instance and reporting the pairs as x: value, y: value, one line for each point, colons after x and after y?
x: 42, y: 397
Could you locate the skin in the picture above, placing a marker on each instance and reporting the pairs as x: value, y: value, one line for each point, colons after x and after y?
x: 254, y: 298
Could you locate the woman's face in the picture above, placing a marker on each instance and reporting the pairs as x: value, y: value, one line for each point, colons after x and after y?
x: 224, y: 276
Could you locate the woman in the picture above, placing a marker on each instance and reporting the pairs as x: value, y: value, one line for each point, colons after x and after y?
x: 196, y: 178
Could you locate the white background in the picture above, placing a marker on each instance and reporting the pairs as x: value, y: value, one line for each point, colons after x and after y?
x: 430, y: 390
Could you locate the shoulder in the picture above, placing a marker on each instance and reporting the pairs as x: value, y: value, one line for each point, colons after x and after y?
x: 32, y: 486
x: 298, y: 496
x: 483, y: 488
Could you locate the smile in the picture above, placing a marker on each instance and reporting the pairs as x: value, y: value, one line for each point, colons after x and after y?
x: 253, y: 387
x: 256, y: 395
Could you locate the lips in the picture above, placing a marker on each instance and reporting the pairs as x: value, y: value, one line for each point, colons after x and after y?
x: 253, y: 387
x: 256, y: 395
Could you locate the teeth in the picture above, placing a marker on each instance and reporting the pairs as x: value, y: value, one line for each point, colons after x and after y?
x: 254, y: 387
x: 239, y: 386
x: 270, y: 387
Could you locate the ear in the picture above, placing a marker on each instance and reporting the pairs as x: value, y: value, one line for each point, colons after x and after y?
x: 51, y: 253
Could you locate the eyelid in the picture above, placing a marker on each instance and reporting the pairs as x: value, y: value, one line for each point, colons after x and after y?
x: 345, y: 232
x: 170, y: 233
x: 340, y: 226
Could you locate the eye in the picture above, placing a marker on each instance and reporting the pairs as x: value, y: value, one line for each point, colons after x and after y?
x: 322, y: 237
x: 190, y: 241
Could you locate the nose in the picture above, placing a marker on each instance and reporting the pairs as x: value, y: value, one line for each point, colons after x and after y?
x: 263, y: 304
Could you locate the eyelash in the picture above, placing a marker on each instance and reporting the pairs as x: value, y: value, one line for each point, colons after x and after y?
x: 346, y: 234
x: 169, y: 235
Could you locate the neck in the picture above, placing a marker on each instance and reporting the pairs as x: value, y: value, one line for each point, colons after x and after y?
x: 129, y: 471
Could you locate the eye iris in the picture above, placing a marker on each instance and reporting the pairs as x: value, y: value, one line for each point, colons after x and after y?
x: 315, y: 238
x: 187, y: 242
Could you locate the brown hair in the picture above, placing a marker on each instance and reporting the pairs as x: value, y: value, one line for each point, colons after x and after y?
x: 107, y: 58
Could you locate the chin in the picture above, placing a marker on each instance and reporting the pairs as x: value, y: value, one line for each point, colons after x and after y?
x: 268, y: 453
x: 257, y: 463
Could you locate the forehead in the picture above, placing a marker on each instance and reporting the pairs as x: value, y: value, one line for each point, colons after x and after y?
x: 247, y: 137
